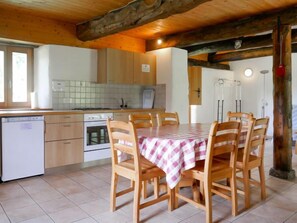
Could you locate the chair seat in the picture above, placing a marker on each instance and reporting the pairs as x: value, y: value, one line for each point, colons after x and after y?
x: 218, y: 166
x: 145, y: 164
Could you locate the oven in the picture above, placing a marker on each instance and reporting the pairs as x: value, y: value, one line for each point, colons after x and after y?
x: 96, y: 140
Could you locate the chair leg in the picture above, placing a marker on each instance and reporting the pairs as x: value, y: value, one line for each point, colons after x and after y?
x: 246, y: 188
x: 234, y: 193
x: 136, y: 205
x: 208, y: 200
x: 114, y: 182
x: 262, y: 182
x: 144, y: 189
x: 156, y: 187
x: 175, y: 191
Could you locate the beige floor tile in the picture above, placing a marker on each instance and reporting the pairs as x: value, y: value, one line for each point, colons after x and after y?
x: 25, y: 213
x: 95, y: 184
x: 273, y: 214
x: 82, y: 197
x: 55, y: 205
x: 283, y: 202
x: 71, y: 189
x: 292, y: 219
x: 80, y: 176
x: 95, y: 207
x: 86, y: 220
x: 10, y: 191
x: 41, y: 219
x: 68, y: 215
x: 17, y: 203
x: 46, y: 195
x: 200, y: 217
x: 112, y: 217
x: 4, y: 218
x: 249, y: 218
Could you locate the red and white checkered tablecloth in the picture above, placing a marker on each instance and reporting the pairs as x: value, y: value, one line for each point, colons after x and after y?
x: 174, y: 148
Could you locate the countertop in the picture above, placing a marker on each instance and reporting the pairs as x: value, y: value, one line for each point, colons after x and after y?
x: 6, y: 113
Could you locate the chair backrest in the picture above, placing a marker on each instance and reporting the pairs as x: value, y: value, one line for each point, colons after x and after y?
x: 141, y: 120
x: 222, y: 140
x: 123, y: 138
x: 242, y: 116
x: 255, y: 142
x: 167, y: 118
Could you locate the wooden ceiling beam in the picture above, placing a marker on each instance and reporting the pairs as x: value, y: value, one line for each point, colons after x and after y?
x: 134, y: 14
x: 245, y: 54
x: 236, y: 29
x: 226, y: 45
x: 202, y: 63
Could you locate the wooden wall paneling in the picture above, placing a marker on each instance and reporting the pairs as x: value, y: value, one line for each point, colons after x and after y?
x: 17, y: 26
x: 195, y: 85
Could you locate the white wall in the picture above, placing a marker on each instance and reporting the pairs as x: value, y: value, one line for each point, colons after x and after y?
x: 172, y: 70
x: 206, y: 112
x: 253, y: 87
x: 42, y: 79
x: 53, y: 62
x: 73, y: 63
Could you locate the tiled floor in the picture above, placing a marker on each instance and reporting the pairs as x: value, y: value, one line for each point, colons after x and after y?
x: 82, y: 196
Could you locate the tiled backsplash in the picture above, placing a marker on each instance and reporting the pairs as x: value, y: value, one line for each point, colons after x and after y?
x: 84, y: 94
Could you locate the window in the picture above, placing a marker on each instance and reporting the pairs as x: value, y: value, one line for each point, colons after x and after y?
x: 16, y: 66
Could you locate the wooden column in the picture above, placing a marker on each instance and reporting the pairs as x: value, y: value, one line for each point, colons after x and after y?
x: 282, y: 99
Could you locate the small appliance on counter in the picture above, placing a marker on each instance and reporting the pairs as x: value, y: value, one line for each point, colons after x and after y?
x: 148, y: 98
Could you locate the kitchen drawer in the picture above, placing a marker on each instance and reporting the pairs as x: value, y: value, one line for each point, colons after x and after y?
x: 64, y: 118
x: 60, y: 153
x: 61, y: 131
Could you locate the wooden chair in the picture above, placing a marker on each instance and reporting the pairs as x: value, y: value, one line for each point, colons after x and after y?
x: 123, y: 138
x: 144, y: 120
x: 253, y: 157
x: 167, y: 118
x: 242, y: 116
x: 141, y: 120
x: 223, y: 139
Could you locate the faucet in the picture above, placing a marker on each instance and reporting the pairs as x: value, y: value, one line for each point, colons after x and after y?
x: 123, y: 105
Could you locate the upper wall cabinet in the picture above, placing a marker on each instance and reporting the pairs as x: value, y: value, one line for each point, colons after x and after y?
x: 124, y: 67
x: 144, y: 69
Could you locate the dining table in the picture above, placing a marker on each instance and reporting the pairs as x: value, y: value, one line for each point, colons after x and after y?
x: 175, y: 148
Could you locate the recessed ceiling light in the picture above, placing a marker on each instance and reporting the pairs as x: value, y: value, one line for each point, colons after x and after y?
x: 248, y: 72
x: 159, y: 41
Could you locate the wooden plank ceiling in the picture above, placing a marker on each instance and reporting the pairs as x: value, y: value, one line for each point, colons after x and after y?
x: 207, y: 14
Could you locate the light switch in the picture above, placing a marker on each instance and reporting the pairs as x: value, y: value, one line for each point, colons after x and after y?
x: 145, y: 68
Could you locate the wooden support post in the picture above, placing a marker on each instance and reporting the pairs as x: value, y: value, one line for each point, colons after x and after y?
x: 282, y: 99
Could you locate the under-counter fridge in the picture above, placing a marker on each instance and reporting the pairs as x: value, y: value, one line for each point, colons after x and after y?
x: 22, y: 147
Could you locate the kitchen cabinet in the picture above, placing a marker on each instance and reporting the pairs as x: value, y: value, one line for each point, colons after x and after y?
x: 144, y: 69
x: 115, y: 66
x: 124, y: 67
x: 63, y: 140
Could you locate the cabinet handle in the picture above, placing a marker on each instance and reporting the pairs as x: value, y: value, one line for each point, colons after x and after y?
x: 66, y: 125
x: 65, y: 143
x: 67, y: 116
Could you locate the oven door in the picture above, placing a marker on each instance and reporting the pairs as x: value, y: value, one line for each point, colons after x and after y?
x: 95, y: 136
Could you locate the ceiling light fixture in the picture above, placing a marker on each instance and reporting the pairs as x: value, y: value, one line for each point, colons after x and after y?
x: 248, y: 72
x: 159, y: 41
x: 237, y: 44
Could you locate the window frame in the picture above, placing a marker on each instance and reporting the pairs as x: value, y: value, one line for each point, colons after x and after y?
x: 8, y: 85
